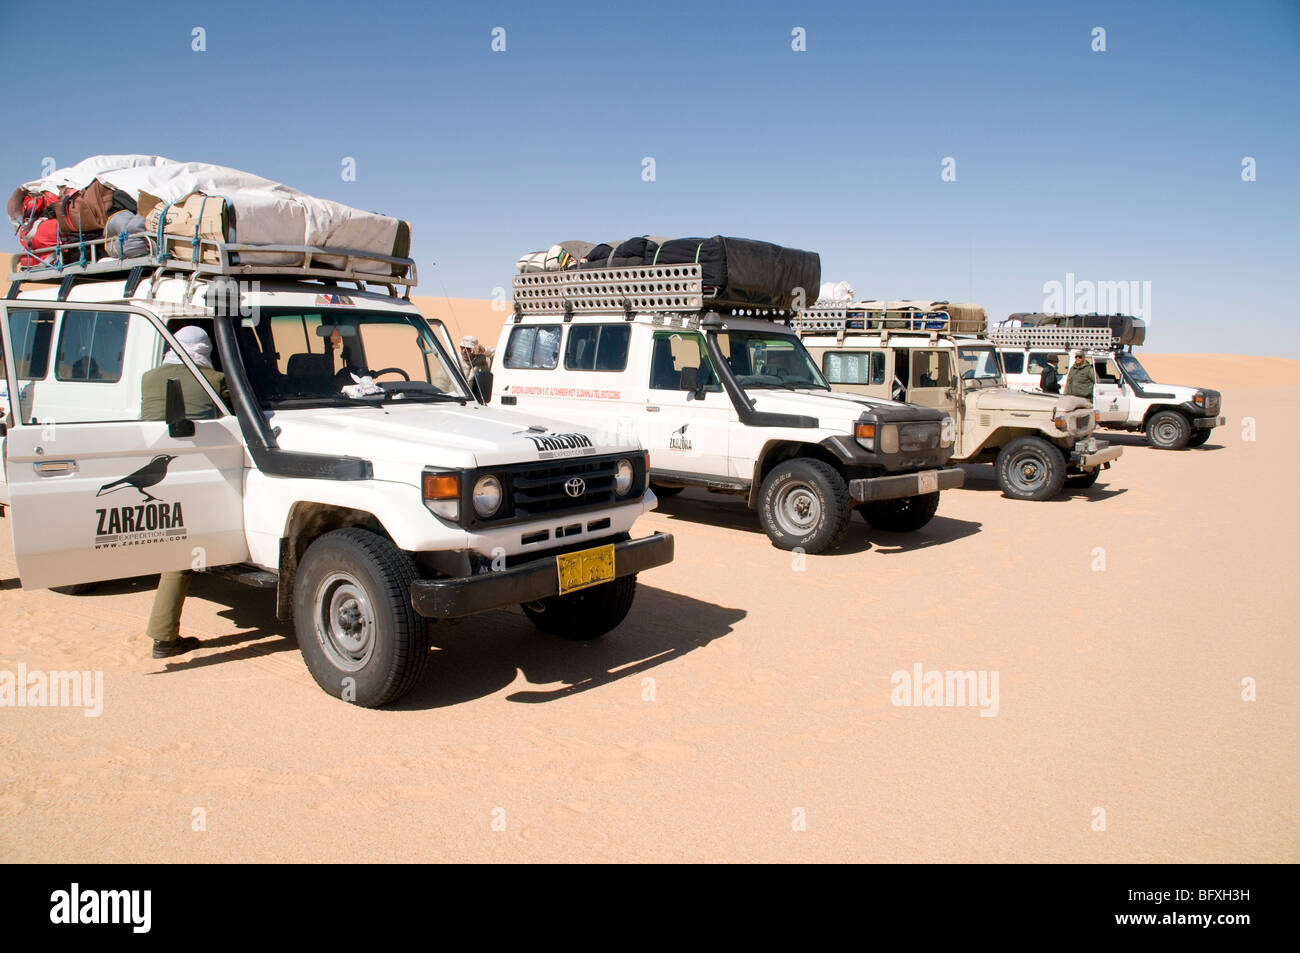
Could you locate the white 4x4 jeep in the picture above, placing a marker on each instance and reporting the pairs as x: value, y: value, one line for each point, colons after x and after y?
x: 369, y: 512
x: 1124, y: 395
x: 729, y: 403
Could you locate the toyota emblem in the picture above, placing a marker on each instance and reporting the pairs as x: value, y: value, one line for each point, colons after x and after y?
x: 575, y: 487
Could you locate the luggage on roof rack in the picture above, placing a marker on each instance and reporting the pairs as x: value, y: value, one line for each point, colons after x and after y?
x: 734, y: 272
x: 894, y: 316
x: 1126, y: 329
x: 1052, y: 336
x: 213, y: 220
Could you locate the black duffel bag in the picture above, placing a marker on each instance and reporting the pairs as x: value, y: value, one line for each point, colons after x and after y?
x: 745, y: 273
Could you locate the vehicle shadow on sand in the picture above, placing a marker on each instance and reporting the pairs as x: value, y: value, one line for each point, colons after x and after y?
x: 1140, y: 440
x: 728, y: 512
x: 981, y: 479
x: 485, y: 654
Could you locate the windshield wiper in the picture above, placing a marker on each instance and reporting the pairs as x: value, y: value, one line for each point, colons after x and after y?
x: 405, y: 395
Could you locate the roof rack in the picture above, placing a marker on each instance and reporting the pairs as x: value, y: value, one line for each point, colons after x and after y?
x: 858, y: 317
x: 642, y: 288
x: 1052, y: 336
x: 223, y: 258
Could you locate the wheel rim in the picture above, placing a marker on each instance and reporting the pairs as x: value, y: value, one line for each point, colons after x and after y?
x: 1028, y: 471
x: 798, y: 510
x: 1166, y: 431
x: 345, y: 621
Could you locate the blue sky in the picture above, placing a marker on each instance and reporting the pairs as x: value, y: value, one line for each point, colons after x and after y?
x: 1123, y: 165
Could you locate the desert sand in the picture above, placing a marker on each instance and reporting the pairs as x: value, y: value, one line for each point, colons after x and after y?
x: 744, y: 692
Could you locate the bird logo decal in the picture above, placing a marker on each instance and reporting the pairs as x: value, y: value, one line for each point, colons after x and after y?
x: 151, y: 474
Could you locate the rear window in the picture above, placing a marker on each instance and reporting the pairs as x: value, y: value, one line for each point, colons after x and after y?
x: 597, y: 347
x: 536, y: 347
x: 29, y: 334
x: 91, y: 345
x: 1013, y: 362
x: 854, y: 367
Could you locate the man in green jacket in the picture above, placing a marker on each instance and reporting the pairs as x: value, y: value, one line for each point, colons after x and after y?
x: 1082, y: 378
x: 165, y: 619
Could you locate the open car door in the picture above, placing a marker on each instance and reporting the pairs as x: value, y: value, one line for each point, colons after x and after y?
x: 101, y: 485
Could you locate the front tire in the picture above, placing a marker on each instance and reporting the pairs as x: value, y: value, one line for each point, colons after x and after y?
x: 359, y: 635
x: 905, y: 515
x: 1199, y: 436
x: 585, y: 614
x: 804, y: 504
x: 1030, y: 468
x: 1168, y: 430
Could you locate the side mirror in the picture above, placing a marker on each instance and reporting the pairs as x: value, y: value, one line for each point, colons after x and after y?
x: 177, y: 424
x: 481, y: 385
x: 691, y: 382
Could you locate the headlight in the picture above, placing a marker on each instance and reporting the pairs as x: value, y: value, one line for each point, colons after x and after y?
x: 487, y: 495
x: 947, y: 432
x: 889, y: 438
x: 623, y: 475
x: 442, y: 494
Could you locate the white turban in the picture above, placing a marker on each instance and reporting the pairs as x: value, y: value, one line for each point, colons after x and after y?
x: 197, y: 345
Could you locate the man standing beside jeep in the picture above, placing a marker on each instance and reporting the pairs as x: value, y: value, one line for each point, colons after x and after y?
x: 1082, y: 378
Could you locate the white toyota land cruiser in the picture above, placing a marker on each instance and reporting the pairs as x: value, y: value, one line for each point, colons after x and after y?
x: 1172, y: 416
x: 371, y: 507
x: 730, y: 403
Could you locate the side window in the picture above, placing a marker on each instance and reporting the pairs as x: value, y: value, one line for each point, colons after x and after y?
x: 126, y: 391
x: 931, y: 368
x: 1107, y: 372
x: 91, y: 346
x: 1013, y: 362
x: 1038, y: 361
x: 675, y: 351
x: 536, y: 347
x: 854, y: 367
x: 30, y: 333
x: 597, y: 347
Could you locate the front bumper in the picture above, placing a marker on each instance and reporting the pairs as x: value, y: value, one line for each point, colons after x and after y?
x: 1205, y: 423
x: 905, y: 484
x: 1091, y: 453
x: 462, y: 596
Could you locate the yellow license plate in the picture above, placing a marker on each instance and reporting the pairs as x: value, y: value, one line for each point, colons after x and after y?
x: 586, y: 567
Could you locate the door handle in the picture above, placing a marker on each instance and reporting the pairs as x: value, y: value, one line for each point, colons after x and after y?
x: 652, y: 410
x: 53, y: 467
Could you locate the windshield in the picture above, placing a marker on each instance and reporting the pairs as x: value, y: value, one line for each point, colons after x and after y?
x: 1133, y: 368
x: 769, y: 359
x: 299, y: 356
x: 980, y: 365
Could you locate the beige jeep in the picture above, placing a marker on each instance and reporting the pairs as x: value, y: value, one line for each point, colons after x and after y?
x: 1038, y: 443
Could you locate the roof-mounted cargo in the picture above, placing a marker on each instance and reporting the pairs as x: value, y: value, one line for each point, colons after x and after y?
x: 212, y: 258
x: 1050, y: 336
x: 1118, y: 330
x: 872, y: 317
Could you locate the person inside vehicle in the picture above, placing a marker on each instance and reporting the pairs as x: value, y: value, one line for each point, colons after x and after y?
x: 165, y: 618
x: 899, y: 389
x: 474, y: 356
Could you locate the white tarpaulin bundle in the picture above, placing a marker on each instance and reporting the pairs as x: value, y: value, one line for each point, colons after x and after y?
x: 834, y: 294
x: 265, y: 212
